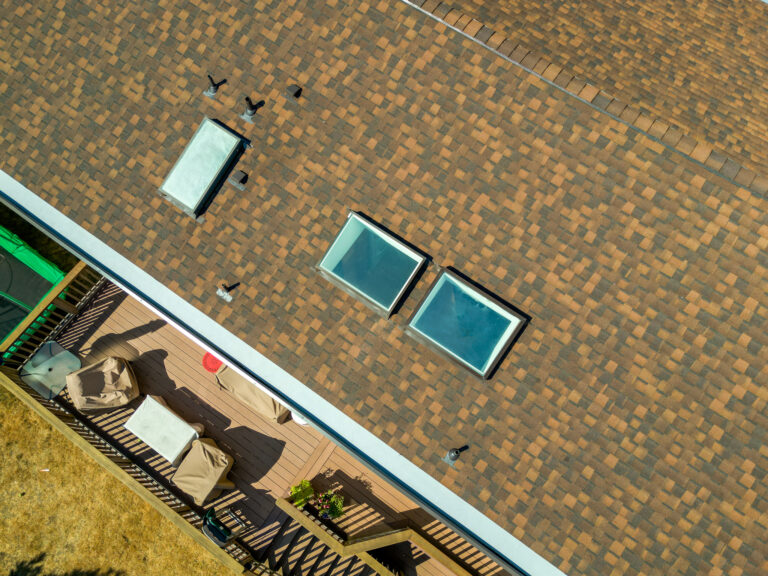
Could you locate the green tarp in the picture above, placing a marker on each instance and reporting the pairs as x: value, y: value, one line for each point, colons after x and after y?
x: 15, y: 246
x: 25, y: 279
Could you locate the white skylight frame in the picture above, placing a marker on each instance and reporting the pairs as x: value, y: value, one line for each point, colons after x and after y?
x: 202, y: 166
x: 326, y: 268
x: 517, y: 321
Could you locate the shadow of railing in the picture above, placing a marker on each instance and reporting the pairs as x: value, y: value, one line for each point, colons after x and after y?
x: 399, y: 531
x: 123, y: 464
x: 103, y: 303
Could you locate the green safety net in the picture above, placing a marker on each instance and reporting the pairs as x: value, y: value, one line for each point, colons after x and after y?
x: 20, y: 250
x: 26, y: 278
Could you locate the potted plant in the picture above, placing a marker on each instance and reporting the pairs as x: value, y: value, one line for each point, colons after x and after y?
x: 329, y: 504
x: 302, y: 493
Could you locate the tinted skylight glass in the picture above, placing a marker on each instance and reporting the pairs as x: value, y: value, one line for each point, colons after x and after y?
x: 371, y: 262
x: 465, y: 323
x: 202, y: 166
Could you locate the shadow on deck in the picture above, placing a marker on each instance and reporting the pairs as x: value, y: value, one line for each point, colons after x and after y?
x: 168, y: 365
x: 269, y: 457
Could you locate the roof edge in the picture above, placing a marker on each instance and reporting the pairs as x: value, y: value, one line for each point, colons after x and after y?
x: 425, y: 490
x: 673, y: 137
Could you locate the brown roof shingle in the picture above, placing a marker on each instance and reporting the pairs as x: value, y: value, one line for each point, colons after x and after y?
x: 623, y: 433
x: 702, y: 66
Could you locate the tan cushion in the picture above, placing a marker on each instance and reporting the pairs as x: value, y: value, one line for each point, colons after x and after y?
x: 106, y: 384
x: 250, y: 395
x: 203, y: 471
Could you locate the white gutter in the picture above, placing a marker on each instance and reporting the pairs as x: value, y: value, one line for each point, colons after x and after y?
x: 340, y: 427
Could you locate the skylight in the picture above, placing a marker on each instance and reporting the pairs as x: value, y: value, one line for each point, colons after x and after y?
x: 202, y: 166
x: 469, y: 326
x: 370, y: 263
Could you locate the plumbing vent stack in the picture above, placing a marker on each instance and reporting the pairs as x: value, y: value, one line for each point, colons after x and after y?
x: 250, y: 109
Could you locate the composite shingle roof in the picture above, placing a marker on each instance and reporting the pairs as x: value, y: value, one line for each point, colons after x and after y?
x: 701, y: 66
x: 625, y: 430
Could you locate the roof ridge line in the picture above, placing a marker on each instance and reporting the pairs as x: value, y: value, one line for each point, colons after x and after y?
x: 673, y: 137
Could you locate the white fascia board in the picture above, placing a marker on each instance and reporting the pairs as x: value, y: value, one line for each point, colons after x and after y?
x: 296, y: 395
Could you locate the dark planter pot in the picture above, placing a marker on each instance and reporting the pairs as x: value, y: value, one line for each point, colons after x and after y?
x: 325, y: 520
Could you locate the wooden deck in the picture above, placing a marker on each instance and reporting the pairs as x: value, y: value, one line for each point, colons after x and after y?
x: 269, y: 457
x: 373, y: 505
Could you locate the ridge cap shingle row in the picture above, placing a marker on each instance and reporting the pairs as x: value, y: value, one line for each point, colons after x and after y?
x: 669, y: 134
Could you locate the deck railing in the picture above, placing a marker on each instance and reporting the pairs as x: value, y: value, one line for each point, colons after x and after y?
x: 363, y: 546
x: 50, y: 316
x: 44, y: 323
x: 151, y: 488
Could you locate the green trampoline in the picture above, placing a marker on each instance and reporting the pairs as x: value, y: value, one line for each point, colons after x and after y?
x: 25, y: 279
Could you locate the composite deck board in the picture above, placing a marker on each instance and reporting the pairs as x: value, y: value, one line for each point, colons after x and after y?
x: 390, y: 505
x: 169, y: 364
x: 326, y: 565
x: 343, y: 566
x: 269, y: 457
x: 185, y: 367
x: 320, y: 454
x: 262, y: 542
x: 296, y: 553
x: 279, y: 545
x: 357, y: 568
x: 397, y: 502
x: 313, y: 554
x: 217, y: 407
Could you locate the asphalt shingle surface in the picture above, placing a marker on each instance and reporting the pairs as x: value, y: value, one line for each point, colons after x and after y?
x: 624, y: 433
x: 702, y: 66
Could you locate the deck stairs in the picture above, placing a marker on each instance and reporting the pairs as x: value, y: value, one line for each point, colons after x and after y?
x: 285, y: 548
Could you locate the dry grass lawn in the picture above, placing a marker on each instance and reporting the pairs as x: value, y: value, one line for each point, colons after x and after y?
x: 80, y: 517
